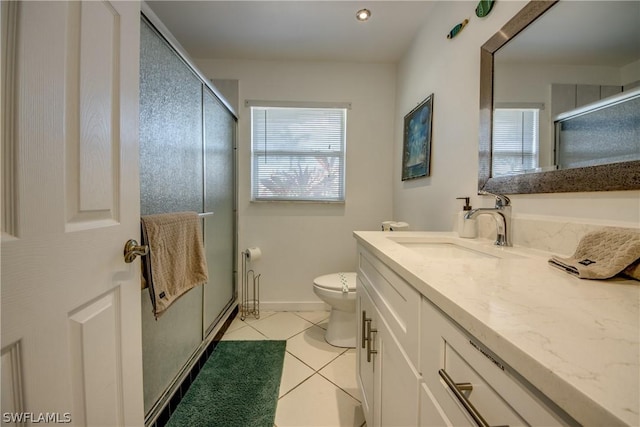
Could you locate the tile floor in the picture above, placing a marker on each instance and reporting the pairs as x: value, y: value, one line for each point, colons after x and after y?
x: 318, y: 386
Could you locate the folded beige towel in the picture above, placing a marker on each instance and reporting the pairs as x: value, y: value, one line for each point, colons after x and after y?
x: 176, y: 262
x: 633, y: 271
x: 602, y: 254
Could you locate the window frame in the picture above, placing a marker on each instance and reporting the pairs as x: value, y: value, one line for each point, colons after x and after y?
x: 257, y: 154
x: 534, y: 153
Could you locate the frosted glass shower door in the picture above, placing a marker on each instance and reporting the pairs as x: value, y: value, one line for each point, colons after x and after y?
x: 219, y: 240
x: 187, y: 163
x: 171, y: 180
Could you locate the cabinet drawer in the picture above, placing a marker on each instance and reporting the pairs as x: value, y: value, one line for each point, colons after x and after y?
x: 432, y: 414
x: 498, y: 394
x: 397, y: 301
x: 489, y: 404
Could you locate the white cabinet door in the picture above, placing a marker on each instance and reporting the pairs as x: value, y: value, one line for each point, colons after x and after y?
x: 388, y: 380
x: 364, y: 362
x: 71, y: 339
x: 399, y: 381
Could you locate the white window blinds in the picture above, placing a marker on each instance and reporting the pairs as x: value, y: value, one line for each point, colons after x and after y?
x: 515, y: 140
x: 298, y: 153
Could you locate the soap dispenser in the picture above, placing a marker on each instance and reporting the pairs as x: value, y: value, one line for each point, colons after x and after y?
x: 466, y: 227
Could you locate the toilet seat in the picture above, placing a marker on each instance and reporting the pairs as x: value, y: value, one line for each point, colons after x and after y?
x: 334, y: 281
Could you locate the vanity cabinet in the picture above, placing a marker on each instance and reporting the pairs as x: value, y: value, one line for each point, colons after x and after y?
x: 417, y: 367
x: 387, y: 377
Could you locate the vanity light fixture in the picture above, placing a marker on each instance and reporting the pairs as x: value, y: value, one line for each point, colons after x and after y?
x: 363, y: 15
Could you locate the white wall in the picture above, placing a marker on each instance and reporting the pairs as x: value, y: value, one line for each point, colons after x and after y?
x: 302, y: 241
x: 450, y: 69
x: 630, y: 73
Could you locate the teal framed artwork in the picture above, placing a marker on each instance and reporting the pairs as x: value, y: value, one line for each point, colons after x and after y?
x: 416, y: 148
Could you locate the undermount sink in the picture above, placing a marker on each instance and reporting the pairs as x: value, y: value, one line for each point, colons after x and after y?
x: 441, y: 247
x: 444, y: 250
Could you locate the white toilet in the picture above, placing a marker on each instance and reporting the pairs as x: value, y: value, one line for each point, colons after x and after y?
x: 330, y: 288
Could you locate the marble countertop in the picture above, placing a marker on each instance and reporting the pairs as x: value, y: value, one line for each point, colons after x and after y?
x: 576, y: 340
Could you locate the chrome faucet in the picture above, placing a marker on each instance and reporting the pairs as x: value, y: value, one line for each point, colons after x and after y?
x: 501, y: 213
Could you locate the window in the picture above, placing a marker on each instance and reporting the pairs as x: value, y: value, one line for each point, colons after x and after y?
x: 515, y: 140
x: 297, y: 152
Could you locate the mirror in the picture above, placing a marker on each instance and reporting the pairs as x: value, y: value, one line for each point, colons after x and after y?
x: 531, y: 65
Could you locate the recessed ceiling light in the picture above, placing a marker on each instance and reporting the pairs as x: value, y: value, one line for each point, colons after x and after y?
x: 363, y: 15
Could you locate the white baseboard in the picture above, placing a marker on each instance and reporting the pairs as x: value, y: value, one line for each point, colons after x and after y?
x: 293, y: 306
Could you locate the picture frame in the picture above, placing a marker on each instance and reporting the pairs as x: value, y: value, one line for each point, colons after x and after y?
x: 416, y: 147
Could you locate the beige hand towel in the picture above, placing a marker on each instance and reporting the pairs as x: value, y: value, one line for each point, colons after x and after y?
x: 633, y: 271
x: 176, y: 262
x: 602, y: 254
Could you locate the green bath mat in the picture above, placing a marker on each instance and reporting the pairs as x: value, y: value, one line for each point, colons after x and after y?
x: 237, y: 386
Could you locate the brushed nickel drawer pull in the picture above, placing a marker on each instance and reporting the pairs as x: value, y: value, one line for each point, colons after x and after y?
x: 457, y: 389
x: 370, y: 340
x: 365, y: 319
x: 464, y: 386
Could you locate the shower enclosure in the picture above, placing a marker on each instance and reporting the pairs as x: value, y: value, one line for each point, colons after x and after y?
x: 187, y: 163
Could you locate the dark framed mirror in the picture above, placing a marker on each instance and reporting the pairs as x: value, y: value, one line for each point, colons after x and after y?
x: 617, y: 175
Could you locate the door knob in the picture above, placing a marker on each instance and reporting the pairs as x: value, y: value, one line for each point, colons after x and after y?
x: 132, y: 250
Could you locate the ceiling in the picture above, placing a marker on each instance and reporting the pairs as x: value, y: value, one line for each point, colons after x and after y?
x: 607, y: 33
x: 325, y: 30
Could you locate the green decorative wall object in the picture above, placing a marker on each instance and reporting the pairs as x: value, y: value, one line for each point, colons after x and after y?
x: 484, y: 8
x: 455, y: 30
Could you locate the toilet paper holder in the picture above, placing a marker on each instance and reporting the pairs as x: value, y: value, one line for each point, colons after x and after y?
x: 250, y: 304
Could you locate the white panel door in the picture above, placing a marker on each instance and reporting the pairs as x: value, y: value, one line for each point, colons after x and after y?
x: 71, y: 329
